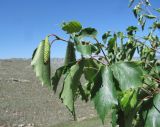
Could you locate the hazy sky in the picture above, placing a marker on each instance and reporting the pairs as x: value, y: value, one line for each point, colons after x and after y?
x: 24, y: 23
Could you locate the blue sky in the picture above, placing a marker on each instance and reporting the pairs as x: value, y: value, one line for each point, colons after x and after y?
x: 24, y: 23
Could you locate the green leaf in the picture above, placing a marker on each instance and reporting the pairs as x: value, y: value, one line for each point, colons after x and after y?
x: 150, y: 16
x: 84, y: 92
x: 131, y: 29
x: 156, y: 70
x: 105, y: 37
x: 90, y: 71
x: 114, y: 118
x: 147, y: 3
x: 153, y: 116
x: 41, y: 68
x: 143, y: 24
x: 91, y: 68
x: 129, y: 99
x: 34, y: 52
x: 106, y: 97
x: 120, y: 35
x: 71, y: 27
x: 59, y: 72
x: 158, y: 9
x: 111, y: 45
x: 56, y: 77
x: 136, y: 10
x: 71, y: 83
x: 156, y: 25
x: 129, y: 106
x: 130, y: 48
x: 88, y: 32
x: 128, y: 74
x: 84, y: 49
x: 126, y: 98
x: 70, y: 54
x: 133, y: 100
x: 96, y: 84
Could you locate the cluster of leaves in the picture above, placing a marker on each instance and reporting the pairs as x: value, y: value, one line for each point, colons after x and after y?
x: 129, y: 89
x: 142, y: 11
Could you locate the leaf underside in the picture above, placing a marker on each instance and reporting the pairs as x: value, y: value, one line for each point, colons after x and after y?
x: 70, y: 85
x: 41, y: 68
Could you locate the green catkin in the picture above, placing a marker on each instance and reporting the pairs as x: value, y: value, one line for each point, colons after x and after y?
x: 70, y: 54
x: 46, y: 51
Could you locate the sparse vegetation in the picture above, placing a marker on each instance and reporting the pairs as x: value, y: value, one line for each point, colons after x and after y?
x: 24, y: 102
